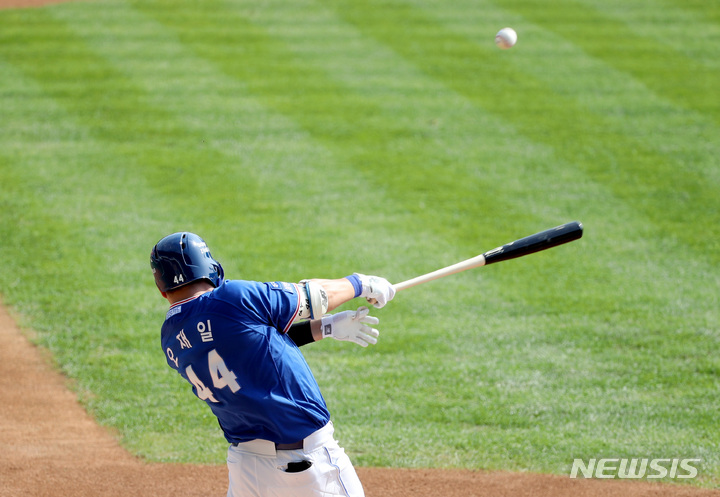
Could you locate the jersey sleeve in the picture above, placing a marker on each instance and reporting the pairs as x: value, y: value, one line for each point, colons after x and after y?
x: 284, y: 304
x: 276, y: 303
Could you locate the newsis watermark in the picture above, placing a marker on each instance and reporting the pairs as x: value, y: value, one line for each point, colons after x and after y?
x: 636, y: 468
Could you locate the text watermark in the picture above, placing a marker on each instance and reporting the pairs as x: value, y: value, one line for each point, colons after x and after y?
x: 636, y: 468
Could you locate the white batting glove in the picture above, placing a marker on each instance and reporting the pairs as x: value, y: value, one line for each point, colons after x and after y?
x: 378, y: 291
x: 351, y: 326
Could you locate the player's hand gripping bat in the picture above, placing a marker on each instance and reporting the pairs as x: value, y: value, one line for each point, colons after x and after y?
x: 524, y: 246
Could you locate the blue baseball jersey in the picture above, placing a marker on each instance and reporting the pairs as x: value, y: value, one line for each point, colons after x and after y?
x: 231, y: 344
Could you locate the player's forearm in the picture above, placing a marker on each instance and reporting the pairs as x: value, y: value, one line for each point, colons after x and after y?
x: 316, y: 329
x: 338, y: 291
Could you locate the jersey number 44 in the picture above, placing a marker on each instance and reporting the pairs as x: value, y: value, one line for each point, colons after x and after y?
x: 221, y: 376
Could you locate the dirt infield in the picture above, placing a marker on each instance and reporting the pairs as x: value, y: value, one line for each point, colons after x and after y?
x: 49, y: 446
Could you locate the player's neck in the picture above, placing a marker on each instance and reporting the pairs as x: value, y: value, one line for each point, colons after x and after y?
x: 189, y: 291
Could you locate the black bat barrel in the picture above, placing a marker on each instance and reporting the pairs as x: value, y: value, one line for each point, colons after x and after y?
x: 535, y: 243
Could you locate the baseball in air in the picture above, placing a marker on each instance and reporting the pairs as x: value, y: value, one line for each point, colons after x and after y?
x: 506, y: 38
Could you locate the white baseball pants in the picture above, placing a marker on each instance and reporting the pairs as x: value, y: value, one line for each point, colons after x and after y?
x: 257, y: 469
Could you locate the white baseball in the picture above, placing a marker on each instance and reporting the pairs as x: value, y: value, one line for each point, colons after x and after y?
x: 506, y: 38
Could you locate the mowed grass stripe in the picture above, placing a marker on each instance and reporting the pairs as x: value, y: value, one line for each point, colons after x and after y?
x: 689, y: 28
x: 696, y: 23
x: 589, y: 141
x: 666, y: 71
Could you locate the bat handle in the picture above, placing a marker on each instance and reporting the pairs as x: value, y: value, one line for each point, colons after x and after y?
x: 476, y: 261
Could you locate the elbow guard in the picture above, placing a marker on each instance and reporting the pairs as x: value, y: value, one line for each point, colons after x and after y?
x: 314, y: 300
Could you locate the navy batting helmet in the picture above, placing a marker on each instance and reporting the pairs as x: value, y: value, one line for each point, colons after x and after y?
x: 182, y: 258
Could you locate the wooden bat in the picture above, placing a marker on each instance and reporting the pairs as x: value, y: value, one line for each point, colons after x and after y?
x: 524, y: 246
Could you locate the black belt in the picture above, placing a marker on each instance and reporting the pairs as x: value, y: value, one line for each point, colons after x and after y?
x: 290, y: 446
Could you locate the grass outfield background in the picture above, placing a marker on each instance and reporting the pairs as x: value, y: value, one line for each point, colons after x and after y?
x: 317, y: 138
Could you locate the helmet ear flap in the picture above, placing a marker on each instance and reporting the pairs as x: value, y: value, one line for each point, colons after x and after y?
x: 220, y: 274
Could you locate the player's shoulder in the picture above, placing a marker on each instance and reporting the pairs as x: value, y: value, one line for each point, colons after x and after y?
x: 282, y: 286
x: 234, y: 290
x: 244, y: 286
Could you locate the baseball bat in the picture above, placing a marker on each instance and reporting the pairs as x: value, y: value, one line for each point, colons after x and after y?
x: 524, y: 246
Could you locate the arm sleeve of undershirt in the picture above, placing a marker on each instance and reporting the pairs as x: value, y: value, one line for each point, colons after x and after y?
x: 301, y: 333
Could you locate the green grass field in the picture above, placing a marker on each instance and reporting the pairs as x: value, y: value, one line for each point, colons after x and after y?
x: 317, y: 138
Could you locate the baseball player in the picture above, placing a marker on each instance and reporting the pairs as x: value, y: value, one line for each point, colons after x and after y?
x: 237, y: 343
